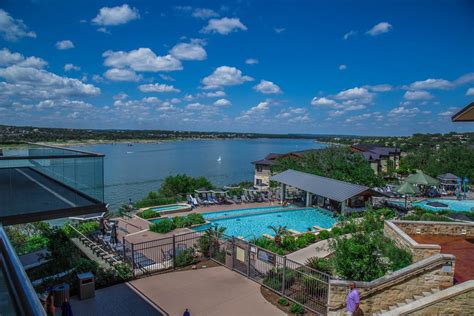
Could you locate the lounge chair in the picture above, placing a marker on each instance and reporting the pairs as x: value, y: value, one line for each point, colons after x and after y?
x: 244, y: 199
x: 236, y: 199
x: 201, y: 202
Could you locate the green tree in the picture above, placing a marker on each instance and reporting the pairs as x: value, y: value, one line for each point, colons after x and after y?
x: 334, y: 162
x: 280, y: 232
x: 182, y: 184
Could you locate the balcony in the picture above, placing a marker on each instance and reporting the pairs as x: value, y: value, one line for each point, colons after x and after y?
x: 39, y: 182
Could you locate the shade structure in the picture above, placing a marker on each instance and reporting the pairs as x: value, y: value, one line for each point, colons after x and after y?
x: 219, y: 191
x: 421, y: 178
x: 202, y: 190
x: 407, y: 188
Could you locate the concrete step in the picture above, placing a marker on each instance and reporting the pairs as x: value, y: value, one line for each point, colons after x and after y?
x: 409, y: 300
x: 392, y: 307
x: 400, y: 304
x: 417, y: 297
x: 383, y: 311
x: 435, y: 291
x: 425, y: 294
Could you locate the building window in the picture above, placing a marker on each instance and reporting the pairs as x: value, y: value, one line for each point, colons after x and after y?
x: 259, y: 168
x: 259, y: 181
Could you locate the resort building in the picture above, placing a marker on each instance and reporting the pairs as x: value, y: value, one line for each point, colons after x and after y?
x: 41, y: 183
x: 327, y: 193
x: 263, y: 167
x: 381, y: 159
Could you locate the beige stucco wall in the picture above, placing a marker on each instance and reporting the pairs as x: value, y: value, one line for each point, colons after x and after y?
x: 264, y: 175
x: 422, y: 276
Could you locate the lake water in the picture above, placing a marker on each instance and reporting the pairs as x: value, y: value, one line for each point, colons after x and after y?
x: 133, y: 171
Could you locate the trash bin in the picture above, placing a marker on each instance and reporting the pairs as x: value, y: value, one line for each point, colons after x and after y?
x: 60, y: 294
x: 86, y: 285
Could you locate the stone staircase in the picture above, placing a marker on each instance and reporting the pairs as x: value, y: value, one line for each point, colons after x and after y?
x: 387, y: 312
x: 100, y: 251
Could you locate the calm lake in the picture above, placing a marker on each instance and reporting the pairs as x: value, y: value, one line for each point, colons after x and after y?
x: 133, y: 171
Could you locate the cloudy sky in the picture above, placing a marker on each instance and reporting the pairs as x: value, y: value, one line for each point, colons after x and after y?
x: 334, y: 67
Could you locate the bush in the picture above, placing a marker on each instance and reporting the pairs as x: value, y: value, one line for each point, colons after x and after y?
x: 283, y: 301
x: 313, y: 285
x: 300, y: 298
x: 301, y: 242
x: 296, y: 309
x: 196, y: 218
x: 163, y: 226
x: 273, y: 283
x: 152, y: 199
x: 182, y: 184
x: 336, y: 231
x: 186, y: 257
x: 324, y: 234
x: 181, y: 221
x: 204, y: 246
x: 149, y: 214
x: 320, y: 264
x: 289, y: 243
x: 309, y: 237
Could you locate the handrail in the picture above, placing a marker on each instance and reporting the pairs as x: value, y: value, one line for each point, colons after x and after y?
x: 88, y: 239
x: 27, y: 299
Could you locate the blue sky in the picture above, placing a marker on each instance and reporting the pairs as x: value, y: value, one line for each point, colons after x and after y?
x: 334, y: 67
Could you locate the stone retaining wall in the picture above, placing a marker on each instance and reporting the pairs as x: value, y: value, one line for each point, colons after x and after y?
x: 402, y: 240
x: 435, y: 272
x: 436, y: 228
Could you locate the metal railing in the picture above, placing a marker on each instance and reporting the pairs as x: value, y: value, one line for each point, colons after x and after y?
x: 294, y: 281
x: 20, y: 288
x: 161, y: 254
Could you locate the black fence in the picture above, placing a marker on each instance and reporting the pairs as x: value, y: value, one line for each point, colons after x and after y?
x: 161, y: 254
x: 288, y: 278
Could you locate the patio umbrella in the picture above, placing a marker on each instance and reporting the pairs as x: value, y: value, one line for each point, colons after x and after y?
x: 421, y: 178
x: 406, y: 188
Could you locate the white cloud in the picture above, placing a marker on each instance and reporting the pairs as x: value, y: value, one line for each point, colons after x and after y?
x: 357, y: 118
x: 142, y: 59
x: 259, y: 108
x: 8, y: 58
x: 222, y: 102
x: 69, y: 67
x: 354, y: 93
x: 342, y: 67
x: 449, y: 112
x: 225, y: 76
x: 157, y: 87
x: 470, y: 91
x: 31, y: 83
x: 116, y: 15
x: 65, y: 44
x: 203, y: 13
x: 167, y: 77
x: 188, y: 51
x: 417, y: 95
x: 251, y: 61
x: 349, y: 34
x: 13, y: 29
x: 379, y: 87
x: 267, y: 87
x: 120, y: 96
x: 403, y: 111
x: 64, y: 103
x: 380, y: 28
x: 118, y: 74
x: 224, y: 26
x: 431, y: 84
x: 212, y: 94
x: 196, y: 106
x: 467, y: 78
x: 103, y: 30
x: 323, y: 101
x: 279, y: 30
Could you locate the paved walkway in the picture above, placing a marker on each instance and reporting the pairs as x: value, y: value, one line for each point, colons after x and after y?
x: 459, y: 246
x: 117, y: 300
x: 213, y: 291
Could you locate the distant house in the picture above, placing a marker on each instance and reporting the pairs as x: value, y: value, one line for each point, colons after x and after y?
x: 380, y: 158
x: 263, y: 167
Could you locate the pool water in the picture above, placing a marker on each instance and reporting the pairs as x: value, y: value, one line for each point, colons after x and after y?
x: 243, y: 211
x: 255, y: 225
x: 170, y: 208
x: 453, y: 205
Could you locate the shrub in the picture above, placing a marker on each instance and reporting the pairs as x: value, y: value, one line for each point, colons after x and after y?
x: 196, y: 218
x: 301, y: 242
x: 313, y: 285
x: 289, y: 243
x: 154, y: 200
x: 283, y: 301
x: 273, y: 283
x: 163, y: 226
x: 185, y: 257
x: 324, y: 234
x: 336, y: 231
x: 181, y: 221
x: 149, y: 214
x: 349, y: 228
x: 309, y: 237
x: 320, y: 264
x: 296, y: 309
x: 204, y: 246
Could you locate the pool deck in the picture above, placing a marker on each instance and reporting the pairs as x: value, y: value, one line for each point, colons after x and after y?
x: 455, y: 245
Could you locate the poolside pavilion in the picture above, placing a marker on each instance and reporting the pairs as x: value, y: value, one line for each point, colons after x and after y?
x: 328, y: 193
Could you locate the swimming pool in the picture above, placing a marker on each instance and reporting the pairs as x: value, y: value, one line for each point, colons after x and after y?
x: 453, y: 205
x: 255, y: 225
x: 172, y: 208
x: 244, y: 211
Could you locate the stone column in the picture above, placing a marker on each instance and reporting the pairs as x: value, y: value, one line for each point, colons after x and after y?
x: 343, y: 207
x: 309, y: 197
x: 282, y: 193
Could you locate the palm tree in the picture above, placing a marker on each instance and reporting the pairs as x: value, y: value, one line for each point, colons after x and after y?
x: 213, y: 234
x: 280, y: 231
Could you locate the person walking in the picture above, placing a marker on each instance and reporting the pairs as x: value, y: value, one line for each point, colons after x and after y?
x: 186, y: 313
x: 353, y: 301
x: 66, y: 309
x: 50, y: 308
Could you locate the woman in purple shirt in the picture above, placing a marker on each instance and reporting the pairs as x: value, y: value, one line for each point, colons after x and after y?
x: 352, y: 301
